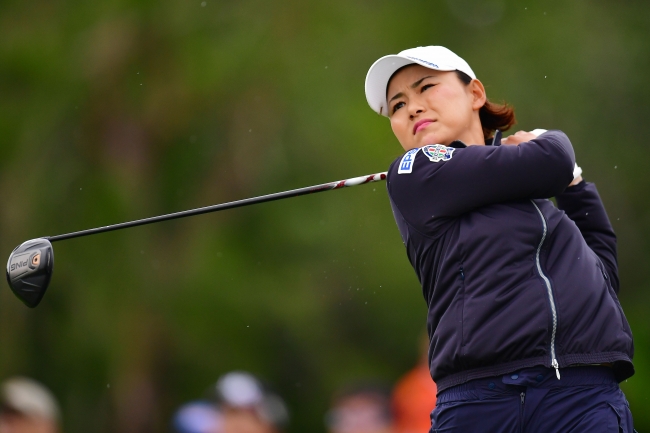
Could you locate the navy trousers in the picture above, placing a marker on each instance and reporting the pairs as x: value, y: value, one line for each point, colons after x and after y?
x: 533, y: 400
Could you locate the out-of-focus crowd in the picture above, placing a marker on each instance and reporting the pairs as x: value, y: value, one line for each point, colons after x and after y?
x: 27, y: 406
x: 240, y: 402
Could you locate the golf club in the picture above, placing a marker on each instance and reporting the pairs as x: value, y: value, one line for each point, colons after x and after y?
x: 30, y: 265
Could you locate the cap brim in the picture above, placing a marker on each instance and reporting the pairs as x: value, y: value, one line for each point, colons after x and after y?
x: 378, y: 75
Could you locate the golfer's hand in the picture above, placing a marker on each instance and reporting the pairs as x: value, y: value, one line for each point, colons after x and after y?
x: 519, y: 137
x: 577, y: 175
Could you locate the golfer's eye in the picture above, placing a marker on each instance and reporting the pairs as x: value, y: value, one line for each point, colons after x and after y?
x: 425, y: 87
x: 397, y: 107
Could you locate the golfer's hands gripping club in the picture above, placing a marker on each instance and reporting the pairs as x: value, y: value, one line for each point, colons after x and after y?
x: 522, y: 136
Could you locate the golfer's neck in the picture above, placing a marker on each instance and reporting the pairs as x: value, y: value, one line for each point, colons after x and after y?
x: 473, y: 135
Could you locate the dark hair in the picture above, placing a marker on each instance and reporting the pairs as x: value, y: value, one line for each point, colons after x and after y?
x: 493, y: 116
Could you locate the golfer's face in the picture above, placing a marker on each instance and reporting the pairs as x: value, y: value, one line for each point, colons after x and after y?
x: 429, y: 107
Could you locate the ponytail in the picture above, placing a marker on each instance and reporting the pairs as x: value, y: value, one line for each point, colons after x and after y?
x: 493, y: 116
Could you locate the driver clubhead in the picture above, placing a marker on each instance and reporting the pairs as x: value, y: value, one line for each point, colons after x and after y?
x: 29, y: 270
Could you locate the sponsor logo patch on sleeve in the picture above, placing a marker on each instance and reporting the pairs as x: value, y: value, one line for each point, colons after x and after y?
x: 438, y: 152
x: 406, y: 164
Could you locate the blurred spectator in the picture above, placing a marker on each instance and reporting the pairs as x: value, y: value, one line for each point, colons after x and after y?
x: 198, y: 417
x: 26, y: 406
x: 248, y: 406
x: 360, y: 409
x: 414, y: 397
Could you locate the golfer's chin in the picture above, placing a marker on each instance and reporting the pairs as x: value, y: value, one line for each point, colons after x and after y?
x: 429, y: 137
x: 423, y: 138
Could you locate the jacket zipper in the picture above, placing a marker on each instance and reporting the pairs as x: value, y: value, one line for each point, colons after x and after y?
x: 549, y: 291
x: 522, y: 396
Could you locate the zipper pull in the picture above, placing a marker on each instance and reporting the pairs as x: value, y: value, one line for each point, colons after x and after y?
x: 556, y: 366
x: 523, y: 397
x: 462, y: 274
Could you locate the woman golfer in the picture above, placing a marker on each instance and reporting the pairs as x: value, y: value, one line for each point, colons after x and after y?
x: 526, y: 331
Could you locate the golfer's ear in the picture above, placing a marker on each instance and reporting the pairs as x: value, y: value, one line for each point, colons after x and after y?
x: 478, y: 94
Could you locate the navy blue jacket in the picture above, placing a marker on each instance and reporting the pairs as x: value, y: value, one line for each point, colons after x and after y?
x: 511, y: 281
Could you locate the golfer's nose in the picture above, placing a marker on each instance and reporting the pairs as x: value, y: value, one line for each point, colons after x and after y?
x: 415, y: 108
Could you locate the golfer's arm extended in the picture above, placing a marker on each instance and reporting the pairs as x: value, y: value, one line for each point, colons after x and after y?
x: 583, y: 205
x: 476, y: 176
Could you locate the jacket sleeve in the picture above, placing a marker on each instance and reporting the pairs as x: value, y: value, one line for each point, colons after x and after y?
x: 583, y: 205
x: 479, y: 175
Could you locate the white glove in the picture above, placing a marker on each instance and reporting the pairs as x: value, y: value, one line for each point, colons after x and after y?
x: 577, y: 172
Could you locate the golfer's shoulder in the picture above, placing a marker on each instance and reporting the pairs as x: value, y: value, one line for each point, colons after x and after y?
x: 419, y: 163
x: 401, y: 172
x: 417, y: 169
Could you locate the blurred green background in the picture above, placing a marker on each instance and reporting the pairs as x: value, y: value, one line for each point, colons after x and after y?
x: 112, y: 111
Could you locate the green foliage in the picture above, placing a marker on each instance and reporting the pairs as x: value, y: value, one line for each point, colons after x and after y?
x: 112, y: 111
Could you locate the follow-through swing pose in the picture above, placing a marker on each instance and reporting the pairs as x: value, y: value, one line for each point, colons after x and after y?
x: 526, y: 331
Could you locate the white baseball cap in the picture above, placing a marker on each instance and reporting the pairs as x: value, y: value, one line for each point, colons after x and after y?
x: 432, y: 57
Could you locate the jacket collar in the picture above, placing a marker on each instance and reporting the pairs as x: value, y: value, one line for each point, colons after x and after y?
x: 496, y: 141
x: 457, y: 144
